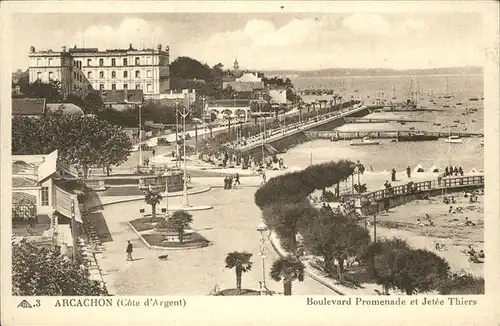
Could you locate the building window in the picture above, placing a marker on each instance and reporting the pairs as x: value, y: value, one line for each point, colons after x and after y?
x: 39, y: 76
x: 45, y: 196
x: 137, y: 86
x: 74, y: 74
x: 125, y: 74
x: 137, y: 74
x: 89, y: 62
x: 113, y: 74
x: 101, y: 74
x: 101, y: 87
x: 113, y: 86
x: 113, y: 62
x: 125, y: 86
x: 148, y: 73
x: 125, y: 62
x: 89, y: 75
x: 89, y: 87
x: 101, y: 62
x: 74, y: 87
x: 150, y: 88
x: 137, y: 61
x: 38, y: 62
x: 51, y: 75
x: 50, y: 62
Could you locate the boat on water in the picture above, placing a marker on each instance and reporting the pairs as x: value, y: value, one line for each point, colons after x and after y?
x: 366, y: 141
x: 446, y: 106
x: 473, y: 99
x: 453, y: 140
x: 418, y: 136
x: 459, y: 103
x: 436, y: 124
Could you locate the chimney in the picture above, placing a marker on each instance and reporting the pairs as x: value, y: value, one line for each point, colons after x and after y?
x: 63, y: 48
x: 159, y: 47
x: 130, y: 46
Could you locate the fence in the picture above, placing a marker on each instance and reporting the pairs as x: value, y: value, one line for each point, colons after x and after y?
x: 417, y: 187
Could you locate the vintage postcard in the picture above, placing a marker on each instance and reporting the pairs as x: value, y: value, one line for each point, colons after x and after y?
x: 245, y: 163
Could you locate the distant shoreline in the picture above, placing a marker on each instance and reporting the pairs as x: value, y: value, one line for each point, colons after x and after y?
x: 386, y: 76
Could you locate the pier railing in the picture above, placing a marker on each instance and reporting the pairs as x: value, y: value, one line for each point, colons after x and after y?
x: 381, y: 134
x: 275, y: 134
x: 415, y: 187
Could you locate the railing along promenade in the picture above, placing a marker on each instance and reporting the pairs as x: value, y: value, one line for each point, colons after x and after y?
x: 383, y: 134
x: 279, y: 133
x: 443, y: 185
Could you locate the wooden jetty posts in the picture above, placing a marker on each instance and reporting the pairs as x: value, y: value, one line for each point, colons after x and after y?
x: 382, y: 134
x: 378, y: 120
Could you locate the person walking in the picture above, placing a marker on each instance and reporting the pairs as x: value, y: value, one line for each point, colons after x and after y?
x: 408, y: 172
x: 129, y: 251
x: 154, y: 152
x: 237, y: 179
x: 263, y: 177
x: 393, y: 175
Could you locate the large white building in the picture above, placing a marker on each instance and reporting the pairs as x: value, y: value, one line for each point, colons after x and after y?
x: 121, y: 69
x: 48, y: 66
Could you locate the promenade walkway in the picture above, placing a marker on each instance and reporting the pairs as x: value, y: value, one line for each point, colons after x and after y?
x: 276, y: 134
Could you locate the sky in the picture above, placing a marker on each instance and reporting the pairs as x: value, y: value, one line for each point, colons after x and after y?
x: 278, y: 41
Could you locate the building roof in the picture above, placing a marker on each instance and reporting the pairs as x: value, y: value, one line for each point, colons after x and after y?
x: 28, y: 106
x: 66, y: 108
x: 122, y: 96
x: 20, y: 182
x: 18, y: 197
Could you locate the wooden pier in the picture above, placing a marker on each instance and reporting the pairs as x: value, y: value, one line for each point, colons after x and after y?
x: 382, y: 134
x: 378, y: 120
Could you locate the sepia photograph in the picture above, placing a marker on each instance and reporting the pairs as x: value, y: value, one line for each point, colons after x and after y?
x: 325, y: 155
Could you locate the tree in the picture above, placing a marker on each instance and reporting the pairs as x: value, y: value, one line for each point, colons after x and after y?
x: 393, y: 264
x: 51, y: 91
x: 82, y: 140
x: 41, y: 271
x: 76, y: 100
x: 93, y: 103
x: 153, y: 198
x: 284, y: 218
x: 179, y: 222
x: 334, y: 237
x: 240, y: 261
x: 287, y: 269
x: 462, y: 284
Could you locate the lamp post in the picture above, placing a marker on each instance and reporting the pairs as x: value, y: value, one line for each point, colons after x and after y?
x: 140, y: 136
x: 184, y: 114
x: 176, y: 133
x: 73, y: 227
x: 374, y: 206
x: 262, y: 227
x: 203, y: 98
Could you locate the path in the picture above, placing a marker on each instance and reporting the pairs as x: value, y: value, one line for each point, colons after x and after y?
x: 192, y: 272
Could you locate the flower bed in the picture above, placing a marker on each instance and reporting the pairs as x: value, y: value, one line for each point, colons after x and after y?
x: 157, y: 240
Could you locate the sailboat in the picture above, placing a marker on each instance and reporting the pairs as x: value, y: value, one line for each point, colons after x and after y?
x: 447, y: 89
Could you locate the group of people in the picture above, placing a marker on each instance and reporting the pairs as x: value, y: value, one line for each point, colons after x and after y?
x: 231, y: 181
x: 474, y: 256
x: 453, y: 171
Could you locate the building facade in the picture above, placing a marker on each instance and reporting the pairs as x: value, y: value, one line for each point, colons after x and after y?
x: 126, y: 69
x: 48, y: 65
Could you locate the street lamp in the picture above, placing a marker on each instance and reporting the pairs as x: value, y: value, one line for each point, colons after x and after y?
x: 140, y: 137
x: 184, y: 114
x: 176, y: 133
x: 262, y: 227
x: 374, y: 206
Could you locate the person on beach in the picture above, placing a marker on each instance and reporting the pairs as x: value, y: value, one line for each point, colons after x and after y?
x: 408, y: 172
x: 129, y: 251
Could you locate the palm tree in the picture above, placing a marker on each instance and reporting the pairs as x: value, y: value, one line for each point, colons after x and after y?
x: 242, y: 264
x: 153, y: 198
x: 289, y: 269
x: 179, y: 222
